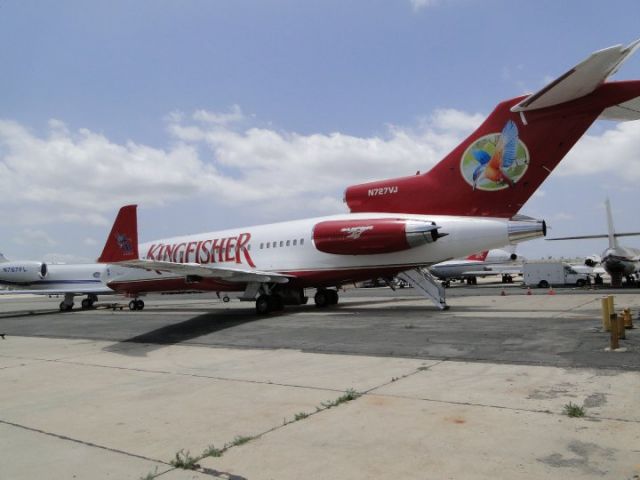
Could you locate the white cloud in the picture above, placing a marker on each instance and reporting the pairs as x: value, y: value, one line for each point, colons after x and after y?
x: 612, y: 154
x: 31, y: 236
x: 81, y: 177
x: 419, y: 4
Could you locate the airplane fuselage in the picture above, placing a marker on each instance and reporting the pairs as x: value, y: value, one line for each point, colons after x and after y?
x: 289, y: 248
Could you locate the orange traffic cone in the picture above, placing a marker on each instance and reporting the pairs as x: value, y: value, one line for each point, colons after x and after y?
x: 529, y: 292
x: 551, y: 291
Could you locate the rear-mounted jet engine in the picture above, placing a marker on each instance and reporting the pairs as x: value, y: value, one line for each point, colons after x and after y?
x: 371, y: 236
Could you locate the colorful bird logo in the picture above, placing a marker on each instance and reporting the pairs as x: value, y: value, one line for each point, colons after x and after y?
x: 124, y: 243
x: 495, y: 161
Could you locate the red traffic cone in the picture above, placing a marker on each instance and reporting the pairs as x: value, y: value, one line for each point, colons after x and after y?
x: 529, y: 292
x: 551, y: 291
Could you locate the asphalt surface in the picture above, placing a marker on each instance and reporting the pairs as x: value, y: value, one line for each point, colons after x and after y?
x: 562, y: 330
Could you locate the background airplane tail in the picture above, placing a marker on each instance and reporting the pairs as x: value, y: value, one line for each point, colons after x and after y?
x: 122, y: 242
x: 499, y: 166
x: 3, y: 259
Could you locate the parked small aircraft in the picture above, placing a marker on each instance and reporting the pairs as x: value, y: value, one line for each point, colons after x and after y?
x: 40, y: 278
x: 499, y: 261
x: 617, y: 261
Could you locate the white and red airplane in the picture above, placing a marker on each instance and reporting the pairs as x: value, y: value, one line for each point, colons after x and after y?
x: 498, y: 261
x: 466, y: 203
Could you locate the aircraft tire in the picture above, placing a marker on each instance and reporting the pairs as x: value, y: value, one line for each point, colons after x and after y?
x: 132, y: 305
x: 87, y: 303
x: 264, y: 304
x: 321, y: 298
x: 139, y: 305
x: 333, y: 297
x: 65, y: 307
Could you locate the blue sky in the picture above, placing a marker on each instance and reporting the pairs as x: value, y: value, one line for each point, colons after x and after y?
x: 214, y: 114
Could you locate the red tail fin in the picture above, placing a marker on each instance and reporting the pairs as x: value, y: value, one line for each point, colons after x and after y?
x: 498, y: 167
x: 479, y: 257
x: 122, y: 242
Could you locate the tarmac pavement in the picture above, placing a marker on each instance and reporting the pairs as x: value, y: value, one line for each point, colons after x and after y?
x: 475, y: 392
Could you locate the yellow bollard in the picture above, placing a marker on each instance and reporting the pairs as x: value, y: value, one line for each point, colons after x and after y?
x: 628, y: 321
x: 621, y: 331
x: 611, y: 306
x: 605, y: 314
x: 614, y: 343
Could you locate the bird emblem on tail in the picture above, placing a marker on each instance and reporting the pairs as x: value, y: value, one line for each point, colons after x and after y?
x: 495, y: 161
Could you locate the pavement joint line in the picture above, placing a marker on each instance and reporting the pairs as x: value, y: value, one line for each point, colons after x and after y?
x: 503, y: 407
x: 81, y: 442
x: 415, y: 371
x: 181, y: 374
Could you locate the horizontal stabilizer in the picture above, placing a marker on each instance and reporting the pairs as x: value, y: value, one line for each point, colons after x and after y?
x: 623, y: 112
x: 581, y: 80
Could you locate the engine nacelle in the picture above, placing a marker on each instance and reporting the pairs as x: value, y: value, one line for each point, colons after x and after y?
x: 22, y: 272
x: 371, y: 236
x: 513, y: 257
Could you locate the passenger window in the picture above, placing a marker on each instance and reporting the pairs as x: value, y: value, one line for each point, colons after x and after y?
x: 281, y: 243
x: 267, y: 244
x: 261, y: 245
x: 302, y: 241
x: 288, y: 242
x: 295, y: 242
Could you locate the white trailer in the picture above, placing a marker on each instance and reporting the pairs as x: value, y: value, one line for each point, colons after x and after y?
x: 545, y: 274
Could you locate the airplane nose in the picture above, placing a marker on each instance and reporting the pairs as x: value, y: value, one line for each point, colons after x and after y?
x: 521, y: 230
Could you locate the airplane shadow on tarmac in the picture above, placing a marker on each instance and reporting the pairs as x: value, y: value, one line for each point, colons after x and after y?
x: 212, y: 322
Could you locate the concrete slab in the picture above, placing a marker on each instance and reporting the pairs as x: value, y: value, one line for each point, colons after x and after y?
x: 148, y: 414
x: 26, y: 454
x: 603, y: 393
x: 385, y: 437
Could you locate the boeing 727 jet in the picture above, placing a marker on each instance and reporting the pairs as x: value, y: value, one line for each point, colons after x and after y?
x: 468, y: 202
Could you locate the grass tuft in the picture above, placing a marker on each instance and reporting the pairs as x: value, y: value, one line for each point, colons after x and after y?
x: 184, y: 460
x: 211, y: 451
x: 240, y: 440
x: 300, y: 416
x: 349, y: 395
x: 573, y: 410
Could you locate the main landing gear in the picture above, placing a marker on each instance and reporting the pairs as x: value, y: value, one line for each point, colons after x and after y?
x: 277, y: 299
x: 269, y: 303
x: 325, y: 297
x: 136, y: 304
x: 87, y: 303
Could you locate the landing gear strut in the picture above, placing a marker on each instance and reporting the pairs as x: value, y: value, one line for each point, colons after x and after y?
x: 136, y: 304
x: 67, y: 304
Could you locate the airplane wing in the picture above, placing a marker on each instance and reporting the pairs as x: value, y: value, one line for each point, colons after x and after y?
x: 583, y: 79
x: 588, y: 237
x: 223, y: 273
